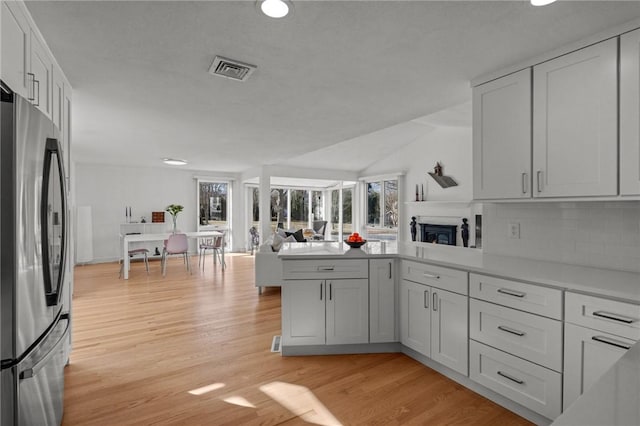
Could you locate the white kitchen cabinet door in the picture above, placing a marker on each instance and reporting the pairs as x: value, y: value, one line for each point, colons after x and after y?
x: 382, y: 301
x: 415, y: 317
x: 41, y: 66
x: 66, y: 136
x: 449, y: 330
x: 15, y: 48
x: 630, y: 113
x: 57, y: 101
x: 575, y: 123
x: 502, y: 137
x: 303, y: 313
x: 588, y: 354
x: 347, y: 307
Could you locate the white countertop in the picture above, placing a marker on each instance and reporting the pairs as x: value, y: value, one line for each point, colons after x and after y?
x: 604, y: 282
x: 613, y: 400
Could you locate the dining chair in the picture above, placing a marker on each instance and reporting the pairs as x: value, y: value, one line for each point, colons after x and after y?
x: 319, y: 227
x: 176, y: 244
x: 136, y: 252
x: 217, y: 245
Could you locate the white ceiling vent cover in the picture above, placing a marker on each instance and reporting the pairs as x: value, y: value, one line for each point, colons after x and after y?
x: 229, y: 68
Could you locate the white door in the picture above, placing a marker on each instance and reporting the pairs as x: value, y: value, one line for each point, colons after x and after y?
x: 15, y: 39
x: 415, y: 316
x: 449, y: 331
x: 303, y: 313
x: 382, y: 301
x: 588, y: 354
x: 347, y: 311
x: 502, y: 137
x: 575, y: 128
x: 630, y: 113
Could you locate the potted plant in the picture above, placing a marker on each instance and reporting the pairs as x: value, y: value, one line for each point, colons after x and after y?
x: 173, y: 210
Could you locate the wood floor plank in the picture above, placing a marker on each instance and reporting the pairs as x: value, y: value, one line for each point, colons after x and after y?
x: 142, y: 345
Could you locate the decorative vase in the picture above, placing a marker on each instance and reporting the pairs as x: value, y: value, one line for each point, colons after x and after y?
x: 175, y: 223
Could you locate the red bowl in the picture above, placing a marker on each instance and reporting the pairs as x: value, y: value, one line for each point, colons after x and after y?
x: 355, y: 244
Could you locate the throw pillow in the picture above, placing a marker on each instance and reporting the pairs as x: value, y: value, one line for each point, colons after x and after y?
x: 297, y: 235
x: 290, y: 239
x: 277, y: 242
x: 281, y: 232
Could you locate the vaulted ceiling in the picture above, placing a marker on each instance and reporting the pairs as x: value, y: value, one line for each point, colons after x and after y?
x: 327, y: 76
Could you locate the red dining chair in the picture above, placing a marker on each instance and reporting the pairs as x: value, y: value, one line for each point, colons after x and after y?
x: 176, y: 244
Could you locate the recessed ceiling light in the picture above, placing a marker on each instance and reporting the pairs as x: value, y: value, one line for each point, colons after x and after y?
x: 274, y: 8
x: 541, y: 2
x: 174, y: 161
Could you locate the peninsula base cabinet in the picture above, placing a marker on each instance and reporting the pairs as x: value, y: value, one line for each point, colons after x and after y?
x: 382, y: 301
x: 318, y: 312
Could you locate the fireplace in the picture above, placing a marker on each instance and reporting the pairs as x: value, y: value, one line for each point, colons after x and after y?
x: 438, y: 234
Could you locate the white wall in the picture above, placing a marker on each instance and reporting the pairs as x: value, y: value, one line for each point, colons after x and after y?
x: 108, y: 189
x: 598, y: 234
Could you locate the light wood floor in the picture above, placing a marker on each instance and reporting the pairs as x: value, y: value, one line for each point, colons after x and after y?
x: 141, y: 346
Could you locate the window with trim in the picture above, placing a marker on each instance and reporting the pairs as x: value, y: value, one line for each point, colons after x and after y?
x: 213, y: 203
x: 347, y: 207
x: 382, y: 209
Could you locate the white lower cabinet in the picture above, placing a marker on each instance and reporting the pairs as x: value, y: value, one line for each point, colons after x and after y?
x: 382, y: 301
x: 433, y: 322
x: 588, y: 355
x: 524, y: 382
x: 318, y: 312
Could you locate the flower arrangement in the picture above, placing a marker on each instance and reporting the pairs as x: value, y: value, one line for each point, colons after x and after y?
x: 173, y: 210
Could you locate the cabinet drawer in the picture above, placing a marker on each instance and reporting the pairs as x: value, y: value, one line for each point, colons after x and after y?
x: 528, y: 384
x: 611, y: 316
x: 528, y: 336
x: 436, y: 276
x: 532, y: 298
x: 325, y: 269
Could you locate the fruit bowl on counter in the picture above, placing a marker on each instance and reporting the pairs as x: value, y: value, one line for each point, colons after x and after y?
x: 355, y: 240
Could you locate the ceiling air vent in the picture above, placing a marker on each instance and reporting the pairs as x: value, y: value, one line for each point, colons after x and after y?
x: 229, y: 68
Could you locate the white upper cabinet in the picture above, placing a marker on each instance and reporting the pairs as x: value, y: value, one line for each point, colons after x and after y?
x: 502, y: 137
x: 41, y: 67
x: 15, y: 42
x: 575, y: 125
x: 630, y: 113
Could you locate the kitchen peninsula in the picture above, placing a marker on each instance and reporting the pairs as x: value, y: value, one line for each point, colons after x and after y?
x: 496, y: 324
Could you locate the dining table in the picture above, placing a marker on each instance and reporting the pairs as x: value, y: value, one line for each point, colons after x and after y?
x: 138, y: 238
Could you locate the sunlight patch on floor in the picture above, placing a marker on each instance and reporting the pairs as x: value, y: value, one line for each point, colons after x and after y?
x: 238, y: 400
x: 206, y: 389
x: 301, y: 402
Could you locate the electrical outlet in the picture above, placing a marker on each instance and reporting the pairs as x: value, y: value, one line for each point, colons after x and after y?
x: 514, y: 230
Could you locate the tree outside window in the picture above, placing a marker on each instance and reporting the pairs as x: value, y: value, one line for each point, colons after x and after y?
x: 213, y: 203
x: 382, y: 209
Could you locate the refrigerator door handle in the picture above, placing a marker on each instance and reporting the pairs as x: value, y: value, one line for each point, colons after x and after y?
x: 53, y: 290
x: 33, y: 371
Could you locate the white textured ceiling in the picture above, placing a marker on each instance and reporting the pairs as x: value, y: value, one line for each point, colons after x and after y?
x: 334, y: 82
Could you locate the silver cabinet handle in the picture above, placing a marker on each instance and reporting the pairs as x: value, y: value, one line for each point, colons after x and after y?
x: 612, y: 342
x: 37, y: 83
x: 330, y: 291
x: 435, y: 301
x: 615, y: 317
x: 320, y: 291
x: 510, y: 377
x: 389, y: 270
x: 426, y: 299
x: 511, y: 292
x: 539, y: 180
x: 524, y: 182
x: 32, y: 96
x: 430, y: 275
x: 326, y: 268
x: 511, y: 330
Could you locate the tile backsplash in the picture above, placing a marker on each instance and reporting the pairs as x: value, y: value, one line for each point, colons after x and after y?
x: 598, y: 234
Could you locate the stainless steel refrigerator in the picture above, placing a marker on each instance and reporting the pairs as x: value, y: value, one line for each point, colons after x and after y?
x: 34, y: 331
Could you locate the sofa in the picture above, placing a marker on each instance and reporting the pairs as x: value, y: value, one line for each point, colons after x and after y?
x: 268, y: 266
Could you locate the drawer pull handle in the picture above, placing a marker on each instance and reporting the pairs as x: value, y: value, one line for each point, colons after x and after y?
x: 511, y: 292
x: 430, y: 275
x: 612, y: 342
x: 326, y: 268
x: 615, y: 317
x: 513, y: 379
x: 511, y: 330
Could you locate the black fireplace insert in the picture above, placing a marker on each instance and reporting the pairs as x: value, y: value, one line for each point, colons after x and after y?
x: 438, y: 234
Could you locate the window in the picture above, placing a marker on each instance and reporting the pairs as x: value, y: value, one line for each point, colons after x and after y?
x: 382, y: 209
x: 213, y: 200
x: 347, y: 203
x: 299, y: 217
x: 279, y: 210
x: 254, y: 218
